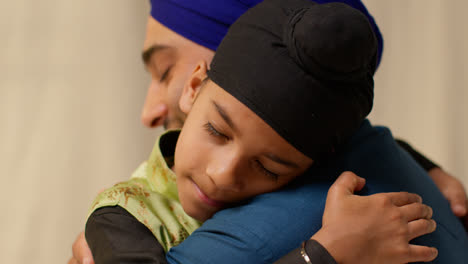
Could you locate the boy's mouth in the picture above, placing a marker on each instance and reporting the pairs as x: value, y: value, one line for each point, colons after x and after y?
x: 206, y: 199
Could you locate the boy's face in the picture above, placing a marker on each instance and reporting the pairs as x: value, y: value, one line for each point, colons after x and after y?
x: 226, y: 153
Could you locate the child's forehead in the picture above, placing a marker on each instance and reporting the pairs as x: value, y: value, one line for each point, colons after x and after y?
x: 220, y: 110
x: 220, y: 101
x: 279, y: 60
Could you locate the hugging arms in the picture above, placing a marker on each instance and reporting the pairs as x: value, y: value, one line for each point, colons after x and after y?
x: 214, y: 223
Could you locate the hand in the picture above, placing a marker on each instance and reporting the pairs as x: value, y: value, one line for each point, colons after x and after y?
x: 453, y: 191
x: 375, y: 228
x: 81, y: 252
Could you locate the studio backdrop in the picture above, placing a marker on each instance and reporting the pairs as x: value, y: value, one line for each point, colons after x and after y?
x: 72, y: 86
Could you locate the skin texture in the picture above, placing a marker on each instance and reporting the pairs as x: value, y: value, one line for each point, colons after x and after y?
x: 161, y: 108
x: 402, y: 214
x: 364, y: 239
x: 237, y: 157
x: 453, y: 190
x: 162, y: 99
x: 170, y: 60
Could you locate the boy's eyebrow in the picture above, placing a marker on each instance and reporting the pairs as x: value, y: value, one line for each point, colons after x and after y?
x: 271, y: 156
x: 224, y: 115
x: 281, y: 161
x: 149, y: 52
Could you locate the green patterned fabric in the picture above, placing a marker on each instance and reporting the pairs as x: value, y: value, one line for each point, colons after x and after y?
x: 151, y: 197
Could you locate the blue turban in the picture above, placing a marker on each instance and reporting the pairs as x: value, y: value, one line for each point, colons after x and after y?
x: 206, y: 22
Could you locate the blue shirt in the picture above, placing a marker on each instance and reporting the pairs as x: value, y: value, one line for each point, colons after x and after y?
x: 271, y: 225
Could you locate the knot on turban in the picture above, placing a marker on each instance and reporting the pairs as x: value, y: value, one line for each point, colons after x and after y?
x: 305, y: 68
x: 327, y: 40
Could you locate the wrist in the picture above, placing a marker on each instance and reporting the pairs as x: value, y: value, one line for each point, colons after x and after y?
x: 331, y: 245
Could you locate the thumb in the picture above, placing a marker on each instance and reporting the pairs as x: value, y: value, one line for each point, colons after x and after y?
x: 346, y: 184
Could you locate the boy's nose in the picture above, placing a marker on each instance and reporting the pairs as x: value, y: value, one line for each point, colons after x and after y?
x: 225, y: 174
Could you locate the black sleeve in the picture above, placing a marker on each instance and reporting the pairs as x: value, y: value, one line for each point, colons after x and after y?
x: 115, y: 236
x: 316, y: 252
x: 426, y: 163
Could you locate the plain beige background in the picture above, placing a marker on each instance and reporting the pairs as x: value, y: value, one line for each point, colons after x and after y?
x: 72, y: 86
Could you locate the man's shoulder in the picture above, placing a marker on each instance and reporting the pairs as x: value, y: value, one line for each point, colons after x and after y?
x: 272, y: 224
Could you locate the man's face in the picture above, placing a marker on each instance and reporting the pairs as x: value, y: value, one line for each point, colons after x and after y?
x: 226, y: 154
x: 170, y: 59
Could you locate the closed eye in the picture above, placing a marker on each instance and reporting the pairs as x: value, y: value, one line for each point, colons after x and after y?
x: 265, y: 171
x: 165, y: 74
x: 212, y: 131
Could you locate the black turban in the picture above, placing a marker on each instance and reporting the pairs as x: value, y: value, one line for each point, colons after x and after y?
x: 306, y: 69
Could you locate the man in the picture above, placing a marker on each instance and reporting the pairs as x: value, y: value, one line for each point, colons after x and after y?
x: 170, y: 59
x: 170, y: 56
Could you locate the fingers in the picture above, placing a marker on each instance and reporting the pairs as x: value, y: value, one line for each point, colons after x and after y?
x: 81, y: 252
x: 452, y: 189
x: 403, y: 198
x: 416, y: 211
x: 457, y: 199
x: 421, y: 253
x: 420, y: 227
x: 73, y: 261
x: 83, y: 261
x: 455, y: 194
x: 347, y: 183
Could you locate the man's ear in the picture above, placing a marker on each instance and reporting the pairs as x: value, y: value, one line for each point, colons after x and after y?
x: 192, y: 87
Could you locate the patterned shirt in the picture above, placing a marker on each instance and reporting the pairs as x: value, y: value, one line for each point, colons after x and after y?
x: 150, y: 195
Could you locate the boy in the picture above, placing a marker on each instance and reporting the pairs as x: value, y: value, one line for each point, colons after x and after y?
x: 229, y: 145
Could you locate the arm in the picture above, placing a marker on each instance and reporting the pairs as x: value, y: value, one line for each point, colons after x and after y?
x: 380, y: 227
x: 450, y: 186
x: 313, y: 250
x: 115, y: 236
x: 377, y: 223
x: 424, y: 162
x: 219, y: 239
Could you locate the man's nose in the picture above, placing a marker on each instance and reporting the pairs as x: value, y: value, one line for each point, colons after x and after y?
x: 154, y: 110
x: 225, y: 173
